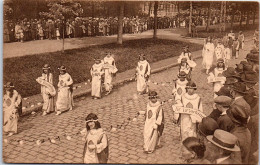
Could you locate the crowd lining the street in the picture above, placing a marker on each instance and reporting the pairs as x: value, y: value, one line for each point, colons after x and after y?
x: 229, y: 135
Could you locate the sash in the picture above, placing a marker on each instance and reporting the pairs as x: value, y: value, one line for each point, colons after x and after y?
x: 195, y: 113
x: 50, y: 88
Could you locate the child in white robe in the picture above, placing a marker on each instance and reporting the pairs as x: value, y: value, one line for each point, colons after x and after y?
x: 109, y: 69
x: 96, y: 72
x: 207, y: 54
x: 217, y: 73
x: 178, y: 90
x: 187, y: 121
x: 184, y: 66
x: 185, y: 54
x: 154, y: 123
x: 11, y: 102
x: 65, y: 98
x: 96, y: 142
x: 227, y: 55
x: 219, y: 50
x: 143, y: 71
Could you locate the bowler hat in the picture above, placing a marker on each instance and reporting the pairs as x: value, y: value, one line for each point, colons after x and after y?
x: 9, y: 85
x: 230, y: 72
x: 224, y: 140
x: 207, y: 126
x: 248, y: 67
x: 243, y: 62
x: 230, y: 81
x: 191, y: 142
x: 191, y: 85
x: 223, y: 100
x: 182, y: 74
x: 62, y: 68
x: 248, y: 56
x: 224, y: 91
x: 249, y: 77
x: 239, y: 87
x: 238, y: 114
x: 239, y: 68
x: 46, y: 66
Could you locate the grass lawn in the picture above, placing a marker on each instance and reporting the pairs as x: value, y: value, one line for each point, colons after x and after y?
x: 23, y: 71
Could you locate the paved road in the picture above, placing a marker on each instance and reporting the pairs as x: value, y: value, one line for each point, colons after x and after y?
x: 17, y: 49
x: 125, y: 145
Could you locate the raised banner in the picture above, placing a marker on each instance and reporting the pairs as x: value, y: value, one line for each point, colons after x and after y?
x: 195, y: 113
x: 50, y: 88
x: 216, y: 79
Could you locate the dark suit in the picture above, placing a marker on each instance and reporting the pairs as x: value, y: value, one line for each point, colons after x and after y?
x: 225, y: 123
x: 242, y: 102
x: 215, y: 114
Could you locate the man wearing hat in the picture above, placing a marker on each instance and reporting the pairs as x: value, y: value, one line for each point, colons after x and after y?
x: 220, y: 148
x: 193, y: 101
x: 178, y: 90
x: 240, y: 116
x: 224, y: 91
x: 206, y: 127
x: 223, y: 104
x: 238, y: 90
x: 11, y: 103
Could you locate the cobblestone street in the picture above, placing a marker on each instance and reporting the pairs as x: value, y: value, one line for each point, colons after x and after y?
x: 125, y: 144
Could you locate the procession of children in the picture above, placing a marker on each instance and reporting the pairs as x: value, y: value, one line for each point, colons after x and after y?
x: 187, y: 104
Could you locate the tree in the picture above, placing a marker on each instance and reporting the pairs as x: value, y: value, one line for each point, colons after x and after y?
x: 156, y: 3
x: 209, y: 16
x: 63, y: 10
x: 190, y: 22
x: 120, y: 23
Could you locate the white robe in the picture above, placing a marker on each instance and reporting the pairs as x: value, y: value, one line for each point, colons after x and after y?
x: 217, y: 85
x: 143, y: 70
x: 64, y: 100
x: 109, y: 70
x: 48, y: 100
x: 10, y: 107
x: 207, y: 54
x: 96, y: 73
x: 187, y: 123
x: 153, y: 116
x: 219, y: 51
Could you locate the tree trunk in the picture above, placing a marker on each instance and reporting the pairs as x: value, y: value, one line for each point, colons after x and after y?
x: 209, y: 16
x: 190, y: 22
x: 221, y: 11
x: 63, y: 38
x: 93, y: 10
x: 241, y: 19
x: 178, y: 19
x: 247, y: 18
x: 155, y: 19
x: 150, y: 6
x: 225, y: 14
x: 232, y: 18
x: 120, y: 24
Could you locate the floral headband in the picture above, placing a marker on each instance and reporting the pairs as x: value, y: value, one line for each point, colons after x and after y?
x: 91, y: 120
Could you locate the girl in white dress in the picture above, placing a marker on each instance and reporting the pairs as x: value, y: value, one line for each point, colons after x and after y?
x: 11, y: 102
x: 184, y: 66
x: 208, y: 54
x: 154, y: 123
x: 143, y: 71
x: 65, y: 99
x: 96, y: 72
x: 227, y: 55
x: 96, y: 142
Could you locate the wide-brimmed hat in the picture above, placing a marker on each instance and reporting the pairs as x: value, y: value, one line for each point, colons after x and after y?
x: 182, y: 74
x: 249, y: 77
x: 249, y: 55
x: 9, y: 85
x: 239, y: 87
x: 191, y: 85
x: 248, y: 68
x: 46, y: 67
x: 230, y: 81
x: 224, y: 139
x: 230, y: 72
x: 223, y: 100
x: 224, y: 91
x: 238, y: 114
x: 62, y: 68
x: 191, y: 142
x: 239, y: 68
x: 207, y: 126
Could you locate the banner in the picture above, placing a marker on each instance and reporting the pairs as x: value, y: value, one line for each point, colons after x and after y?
x: 212, y: 79
x: 50, y: 88
x: 195, y: 113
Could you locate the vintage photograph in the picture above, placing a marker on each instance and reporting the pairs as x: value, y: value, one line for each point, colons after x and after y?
x: 130, y: 82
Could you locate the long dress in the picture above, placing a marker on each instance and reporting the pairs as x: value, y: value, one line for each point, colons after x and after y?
x: 188, y: 56
x: 10, y: 109
x: 154, y: 115
x: 207, y: 54
x: 187, y: 123
x: 48, y: 100
x: 64, y: 100
x: 241, y: 40
x: 109, y: 68
x: 98, y: 138
x: 217, y: 84
x: 96, y: 72
x: 143, y: 72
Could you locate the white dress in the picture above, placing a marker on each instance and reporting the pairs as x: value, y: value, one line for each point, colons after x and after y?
x: 187, y: 123
x: 48, y: 100
x: 153, y: 116
x: 109, y: 68
x: 96, y: 73
x: 218, y: 84
x: 143, y: 70
x: 208, y: 54
x: 219, y: 51
x: 64, y: 100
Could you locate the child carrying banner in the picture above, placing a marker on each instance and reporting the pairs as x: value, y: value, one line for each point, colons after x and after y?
x: 143, y: 71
